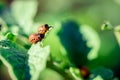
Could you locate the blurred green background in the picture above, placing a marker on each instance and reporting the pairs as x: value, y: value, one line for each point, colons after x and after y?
x: 22, y: 17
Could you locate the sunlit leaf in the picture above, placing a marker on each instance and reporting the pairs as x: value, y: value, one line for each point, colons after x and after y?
x: 117, y: 33
x: 58, y: 52
x: 93, y: 41
x: 24, y: 12
x: 37, y: 59
x: 75, y: 72
x: 49, y: 74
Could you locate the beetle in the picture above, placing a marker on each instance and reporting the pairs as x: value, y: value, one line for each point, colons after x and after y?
x: 43, y: 29
x: 34, y: 38
x: 39, y: 36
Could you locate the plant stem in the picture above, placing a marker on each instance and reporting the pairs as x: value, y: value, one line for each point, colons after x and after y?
x: 65, y: 74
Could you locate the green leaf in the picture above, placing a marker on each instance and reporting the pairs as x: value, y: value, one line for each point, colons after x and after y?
x: 117, y: 28
x: 58, y: 52
x: 93, y: 41
x: 11, y: 37
x: 105, y: 73
x: 15, y: 59
x: 49, y: 74
x: 75, y: 73
x: 6, y: 15
x: 24, y: 12
x: 98, y: 78
x: 3, y: 26
x: 74, y: 43
x: 106, y: 26
x: 37, y: 59
x: 117, y: 33
x: 80, y: 41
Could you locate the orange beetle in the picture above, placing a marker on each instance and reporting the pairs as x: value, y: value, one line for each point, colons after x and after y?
x: 34, y: 38
x: 43, y: 29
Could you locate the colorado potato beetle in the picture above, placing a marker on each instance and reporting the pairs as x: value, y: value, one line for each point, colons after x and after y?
x: 43, y: 29
x: 34, y: 38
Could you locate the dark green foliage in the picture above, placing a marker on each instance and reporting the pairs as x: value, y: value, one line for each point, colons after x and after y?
x: 0, y: 26
x: 17, y: 58
x: 105, y: 73
x: 6, y: 15
x: 74, y: 43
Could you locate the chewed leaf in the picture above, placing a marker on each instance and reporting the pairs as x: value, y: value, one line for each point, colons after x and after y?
x: 93, y: 41
x: 15, y: 59
x: 74, y: 43
x: 37, y: 59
